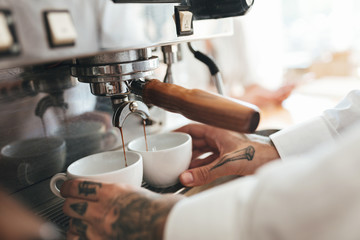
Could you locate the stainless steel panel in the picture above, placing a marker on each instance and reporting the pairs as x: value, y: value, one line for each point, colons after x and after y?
x: 101, y: 26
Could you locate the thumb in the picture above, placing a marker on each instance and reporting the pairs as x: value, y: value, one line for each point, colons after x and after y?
x: 197, y: 176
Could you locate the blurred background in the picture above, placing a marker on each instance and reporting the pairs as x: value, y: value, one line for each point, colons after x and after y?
x: 313, y: 46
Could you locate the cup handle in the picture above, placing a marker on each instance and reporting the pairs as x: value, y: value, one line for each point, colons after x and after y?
x: 22, y: 173
x: 57, y: 177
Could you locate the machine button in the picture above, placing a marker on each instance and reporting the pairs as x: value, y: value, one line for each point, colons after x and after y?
x: 185, y: 21
x: 6, y: 38
x: 61, y: 30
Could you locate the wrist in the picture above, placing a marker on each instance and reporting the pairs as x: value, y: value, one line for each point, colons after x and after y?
x: 167, y: 203
x: 264, y: 152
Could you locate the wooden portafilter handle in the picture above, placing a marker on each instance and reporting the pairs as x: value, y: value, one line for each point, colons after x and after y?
x: 202, y: 106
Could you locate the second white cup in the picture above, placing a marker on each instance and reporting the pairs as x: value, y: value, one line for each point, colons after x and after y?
x: 168, y: 155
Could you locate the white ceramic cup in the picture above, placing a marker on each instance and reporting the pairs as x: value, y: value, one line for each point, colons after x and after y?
x: 168, y: 155
x: 108, y: 167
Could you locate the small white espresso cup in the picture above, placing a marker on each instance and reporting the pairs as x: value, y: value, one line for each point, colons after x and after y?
x: 108, y: 167
x: 168, y: 155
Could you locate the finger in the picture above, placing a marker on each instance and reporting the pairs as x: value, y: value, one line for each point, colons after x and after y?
x: 82, y: 230
x: 207, y: 135
x: 199, y: 143
x: 210, y: 172
x: 204, y: 147
x: 205, y: 161
x: 197, y: 176
x: 84, y: 210
x: 72, y: 236
x: 195, y: 130
x: 84, y: 189
x: 79, y: 228
x: 197, y: 153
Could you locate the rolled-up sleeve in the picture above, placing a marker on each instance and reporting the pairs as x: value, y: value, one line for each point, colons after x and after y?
x: 328, y: 127
x: 211, y: 215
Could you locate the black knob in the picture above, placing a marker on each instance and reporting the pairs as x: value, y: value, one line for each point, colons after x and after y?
x: 147, y: 1
x: 210, y: 9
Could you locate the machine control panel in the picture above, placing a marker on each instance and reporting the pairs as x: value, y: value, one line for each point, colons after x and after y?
x: 8, y: 41
x: 184, y: 21
x: 61, y: 29
x: 37, y: 32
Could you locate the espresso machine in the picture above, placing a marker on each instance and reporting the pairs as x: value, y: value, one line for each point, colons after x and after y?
x: 90, y: 64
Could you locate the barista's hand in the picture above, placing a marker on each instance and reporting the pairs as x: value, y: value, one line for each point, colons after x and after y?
x: 231, y: 154
x: 109, y: 211
x: 18, y: 223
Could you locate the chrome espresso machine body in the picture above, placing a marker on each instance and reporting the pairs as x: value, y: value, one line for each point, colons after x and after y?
x: 72, y: 70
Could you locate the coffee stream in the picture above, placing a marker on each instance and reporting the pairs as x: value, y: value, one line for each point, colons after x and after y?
x: 146, y: 144
x: 123, y: 142
x: 44, y: 126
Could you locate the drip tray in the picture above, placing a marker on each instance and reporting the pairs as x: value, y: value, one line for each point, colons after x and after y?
x: 176, y: 189
x: 53, y: 213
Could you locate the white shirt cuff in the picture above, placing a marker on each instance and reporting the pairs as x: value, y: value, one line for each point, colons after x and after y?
x: 303, y: 137
x: 211, y: 214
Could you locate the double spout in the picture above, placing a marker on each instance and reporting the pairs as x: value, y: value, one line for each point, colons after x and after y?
x: 123, y: 108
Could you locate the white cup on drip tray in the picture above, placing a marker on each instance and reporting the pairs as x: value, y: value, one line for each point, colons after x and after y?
x: 168, y: 155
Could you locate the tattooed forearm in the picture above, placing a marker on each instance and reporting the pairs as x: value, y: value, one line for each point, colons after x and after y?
x: 133, y: 211
x: 242, y: 154
x: 79, y: 208
x: 87, y: 188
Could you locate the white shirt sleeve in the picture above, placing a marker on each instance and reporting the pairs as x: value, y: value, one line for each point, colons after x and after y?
x: 314, y: 196
x: 330, y: 125
x: 210, y: 215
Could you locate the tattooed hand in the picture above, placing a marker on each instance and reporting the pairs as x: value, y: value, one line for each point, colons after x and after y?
x: 110, y: 211
x: 229, y: 154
